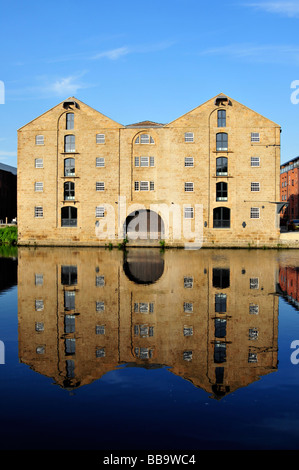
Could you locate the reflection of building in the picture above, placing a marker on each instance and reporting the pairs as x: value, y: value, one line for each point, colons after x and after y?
x: 76, y: 167
x: 211, y: 318
x: 8, y: 193
x: 289, y: 284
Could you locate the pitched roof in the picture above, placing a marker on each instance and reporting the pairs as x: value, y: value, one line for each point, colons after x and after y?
x: 146, y: 124
x: 9, y: 169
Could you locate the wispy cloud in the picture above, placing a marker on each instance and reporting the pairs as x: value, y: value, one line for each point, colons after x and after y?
x: 112, y: 54
x: 66, y: 85
x: 290, y: 9
x: 3, y: 153
x: 268, y: 53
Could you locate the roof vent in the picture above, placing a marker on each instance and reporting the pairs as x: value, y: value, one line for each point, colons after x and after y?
x: 69, y: 103
x: 221, y: 99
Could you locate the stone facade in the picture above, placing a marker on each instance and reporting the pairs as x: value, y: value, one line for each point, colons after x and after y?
x: 212, y: 176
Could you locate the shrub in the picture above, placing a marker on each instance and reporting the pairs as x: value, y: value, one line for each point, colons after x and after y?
x: 8, y: 235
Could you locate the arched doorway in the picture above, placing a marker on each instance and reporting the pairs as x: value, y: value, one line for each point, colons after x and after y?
x: 144, y: 224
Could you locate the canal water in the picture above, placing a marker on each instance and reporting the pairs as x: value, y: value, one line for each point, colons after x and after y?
x: 144, y: 349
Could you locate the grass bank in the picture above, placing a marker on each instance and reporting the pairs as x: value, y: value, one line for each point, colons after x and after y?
x: 8, y: 235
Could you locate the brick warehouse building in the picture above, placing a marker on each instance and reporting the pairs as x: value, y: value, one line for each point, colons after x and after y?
x: 289, y: 188
x: 74, y: 162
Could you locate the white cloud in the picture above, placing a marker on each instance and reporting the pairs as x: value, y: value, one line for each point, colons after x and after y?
x: 7, y: 154
x: 113, y: 54
x: 290, y: 9
x: 66, y: 85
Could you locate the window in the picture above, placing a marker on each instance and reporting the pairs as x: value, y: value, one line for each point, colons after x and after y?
x: 39, y: 279
x: 39, y: 186
x: 136, y: 185
x: 255, y: 161
x: 39, y: 140
x: 39, y: 163
x: 188, y: 282
x: 100, y: 352
x: 144, y: 139
x: 221, y: 141
x: 69, y: 143
x: 188, y: 307
x: 255, y: 137
x: 69, y: 167
x: 187, y: 355
x: 188, y: 331
x: 69, y: 275
x: 188, y: 212
x: 189, y: 137
x: 136, y: 161
x: 254, y: 283
x: 100, y: 281
x: 100, y: 329
x: 254, y: 212
x: 221, y: 278
x: 152, y: 186
x: 221, y: 118
x: 100, y: 138
x: 39, y: 326
x: 100, y: 186
x: 100, y: 162
x: 221, y: 166
x: 221, y: 191
x: 253, y: 333
x: 252, y: 357
x: 221, y: 217
x: 255, y: 187
x: 189, y: 161
x: 38, y: 212
x: 100, y: 306
x: 70, y: 120
x: 69, y: 191
x: 144, y: 186
x: 70, y: 346
x: 69, y: 324
x: 219, y: 352
x: 144, y: 161
x: 69, y: 216
x: 189, y: 187
x: 100, y: 212
x: 152, y: 161
x: 253, y: 309
x: 220, y: 303
x: 69, y: 300
x: 39, y: 305
x: 220, y: 327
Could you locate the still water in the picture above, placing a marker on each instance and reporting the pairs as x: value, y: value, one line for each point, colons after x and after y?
x: 149, y: 350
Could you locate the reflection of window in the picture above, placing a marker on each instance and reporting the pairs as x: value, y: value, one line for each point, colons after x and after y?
x: 253, y: 309
x: 100, y: 306
x: 144, y: 331
x: 39, y: 305
x: 253, y: 333
x: 100, y: 352
x: 220, y: 327
x: 187, y: 355
x: 69, y: 300
x: 221, y: 278
x: 100, y: 329
x: 252, y: 357
x: 100, y: 281
x: 254, y: 283
x: 39, y: 326
x: 219, y: 352
x: 68, y: 275
x: 143, y: 353
x: 220, y: 303
x: 188, y: 330
x: 70, y: 368
x: 219, y: 374
x: 188, y: 307
x: 188, y: 282
x: 39, y: 279
x: 69, y: 324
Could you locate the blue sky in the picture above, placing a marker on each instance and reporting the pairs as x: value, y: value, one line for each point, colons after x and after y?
x: 155, y: 60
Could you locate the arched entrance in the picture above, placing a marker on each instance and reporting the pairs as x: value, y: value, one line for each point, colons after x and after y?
x: 144, y: 224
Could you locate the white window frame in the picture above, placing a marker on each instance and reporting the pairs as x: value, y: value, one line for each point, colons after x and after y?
x: 144, y: 186
x: 255, y: 161
x: 100, y: 186
x: 100, y: 162
x: 38, y: 212
x: 100, y: 212
x: 189, y: 136
x: 255, y: 187
x: 39, y: 163
x: 188, y: 212
x: 39, y: 140
x: 189, y: 187
x: 38, y: 186
x: 136, y: 161
x: 254, y: 212
x: 144, y: 162
x: 255, y: 137
x: 189, y: 162
x: 100, y: 138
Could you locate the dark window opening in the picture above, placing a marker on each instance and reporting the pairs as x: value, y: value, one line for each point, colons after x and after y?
x: 221, y: 217
x: 221, y: 118
x: 220, y: 328
x: 221, y: 278
x: 69, y: 191
x: 68, y: 275
x: 69, y: 216
x: 221, y: 191
x: 221, y: 166
x: 221, y: 141
x: 69, y: 167
x: 220, y: 303
x: 219, y: 352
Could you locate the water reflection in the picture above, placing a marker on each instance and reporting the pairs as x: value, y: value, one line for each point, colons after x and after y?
x: 211, y: 317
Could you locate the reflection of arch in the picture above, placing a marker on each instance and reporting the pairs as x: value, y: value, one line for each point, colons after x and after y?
x: 144, y: 224
x: 143, y: 267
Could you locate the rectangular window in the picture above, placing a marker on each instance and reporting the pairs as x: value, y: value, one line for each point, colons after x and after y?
x: 253, y: 309
x: 136, y: 161
x: 188, y: 213
x: 254, y: 283
x: 39, y: 163
x: 254, y: 212
x: 152, y: 161
x: 188, y: 330
x: 255, y: 161
x: 39, y: 186
x: 69, y: 324
x: 188, y: 307
x: 70, y: 121
x: 100, y: 281
x: 100, y: 306
x: 38, y: 211
x: 100, y: 138
x: 144, y: 186
x: 100, y: 186
x: 221, y: 118
x: 39, y: 279
x: 39, y: 305
x: 100, y: 329
x: 100, y: 162
x: 189, y: 161
x: 255, y: 187
x: 100, y: 211
x: 152, y: 186
x: 100, y: 352
x: 189, y: 137
x: 136, y: 185
x: 255, y: 137
x: 220, y: 303
x: 189, y: 187
x: 39, y: 140
x: 188, y: 282
x: 39, y: 326
x: 144, y: 161
x: 69, y: 299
